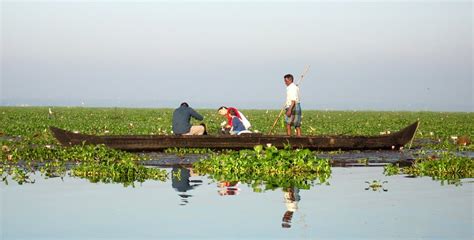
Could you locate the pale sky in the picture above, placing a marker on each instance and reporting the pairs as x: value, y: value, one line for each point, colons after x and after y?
x: 364, y: 55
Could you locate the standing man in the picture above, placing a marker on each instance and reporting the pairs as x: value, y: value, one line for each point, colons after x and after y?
x: 293, y: 107
x: 181, y: 119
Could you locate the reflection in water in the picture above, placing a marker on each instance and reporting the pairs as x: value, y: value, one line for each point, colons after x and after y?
x: 227, y: 188
x: 292, y: 197
x: 180, y: 182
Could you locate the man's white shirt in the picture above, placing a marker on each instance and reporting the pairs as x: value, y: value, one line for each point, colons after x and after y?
x: 292, y: 94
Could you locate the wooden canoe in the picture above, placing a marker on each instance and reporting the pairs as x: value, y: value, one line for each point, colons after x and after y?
x: 159, y: 142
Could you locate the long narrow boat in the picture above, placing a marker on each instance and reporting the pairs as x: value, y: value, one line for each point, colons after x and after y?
x: 159, y: 142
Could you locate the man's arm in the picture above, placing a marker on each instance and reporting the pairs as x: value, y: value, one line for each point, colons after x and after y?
x: 195, y: 115
x: 290, y: 109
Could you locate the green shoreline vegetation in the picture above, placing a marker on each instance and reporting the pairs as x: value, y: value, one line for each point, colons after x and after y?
x: 28, y: 146
x: 445, y: 167
x: 267, y: 168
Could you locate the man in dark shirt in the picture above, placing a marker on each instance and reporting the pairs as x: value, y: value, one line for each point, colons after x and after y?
x: 181, y: 119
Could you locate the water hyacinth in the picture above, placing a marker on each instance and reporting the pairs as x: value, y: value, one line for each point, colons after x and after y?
x: 96, y: 163
x: 267, y: 168
x: 446, y: 166
x: 25, y: 137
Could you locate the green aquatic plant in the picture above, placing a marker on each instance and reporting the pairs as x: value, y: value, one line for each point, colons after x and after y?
x: 446, y: 166
x: 184, y: 151
x: 120, y: 171
x: 26, y: 140
x: 391, y: 169
x: 18, y: 174
x: 376, y: 185
x: 267, y: 168
x: 94, y: 162
x: 33, y: 122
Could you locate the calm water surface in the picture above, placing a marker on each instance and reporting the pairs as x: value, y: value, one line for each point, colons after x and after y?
x: 197, y: 207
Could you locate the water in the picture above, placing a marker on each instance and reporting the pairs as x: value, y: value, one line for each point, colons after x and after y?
x: 417, y: 208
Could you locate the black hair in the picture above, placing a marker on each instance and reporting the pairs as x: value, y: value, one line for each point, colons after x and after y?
x: 222, y: 107
x: 289, y: 76
x: 184, y: 104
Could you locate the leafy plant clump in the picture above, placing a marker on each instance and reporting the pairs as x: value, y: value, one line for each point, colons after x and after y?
x: 96, y: 163
x: 117, y: 171
x: 184, y: 151
x: 447, y: 166
x: 267, y: 168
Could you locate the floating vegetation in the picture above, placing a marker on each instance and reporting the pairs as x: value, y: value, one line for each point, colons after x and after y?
x: 27, y: 145
x: 376, y: 185
x: 33, y: 122
x: 121, y: 171
x: 267, y: 168
x: 446, y: 167
x: 96, y: 163
x: 184, y: 151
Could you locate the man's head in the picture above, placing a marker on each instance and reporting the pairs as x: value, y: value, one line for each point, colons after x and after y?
x: 288, y: 79
x: 222, y: 110
x: 184, y: 104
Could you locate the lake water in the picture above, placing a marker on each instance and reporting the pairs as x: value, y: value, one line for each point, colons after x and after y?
x: 72, y: 208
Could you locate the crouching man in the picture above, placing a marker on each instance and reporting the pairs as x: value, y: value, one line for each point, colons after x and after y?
x: 181, y: 121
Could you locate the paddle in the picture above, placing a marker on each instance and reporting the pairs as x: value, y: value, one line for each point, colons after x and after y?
x: 284, y: 105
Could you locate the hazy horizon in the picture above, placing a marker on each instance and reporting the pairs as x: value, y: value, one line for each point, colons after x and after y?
x: 377, y: 55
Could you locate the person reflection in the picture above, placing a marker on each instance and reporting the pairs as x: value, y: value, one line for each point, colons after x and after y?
x: 292, y: 197
x: 227, y: 188
x: 181, y: 183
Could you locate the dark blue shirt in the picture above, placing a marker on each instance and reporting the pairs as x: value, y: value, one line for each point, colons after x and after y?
x: 182, y: 117
x: 237, y: 125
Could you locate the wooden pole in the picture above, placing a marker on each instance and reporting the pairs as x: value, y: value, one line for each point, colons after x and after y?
x: 276, y: 120
x: 284, y: 105
x: 302, y: 75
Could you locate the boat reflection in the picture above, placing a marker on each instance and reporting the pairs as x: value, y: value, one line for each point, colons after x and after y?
x: 292, y: 197
x: 181, y: 182
x: 227, y: 188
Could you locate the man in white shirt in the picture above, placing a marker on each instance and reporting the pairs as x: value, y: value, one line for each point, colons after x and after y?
x: 293, y: 107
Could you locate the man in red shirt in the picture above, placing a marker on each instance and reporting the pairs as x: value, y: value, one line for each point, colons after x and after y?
x: 227, y: 126
x: 224, y: 111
